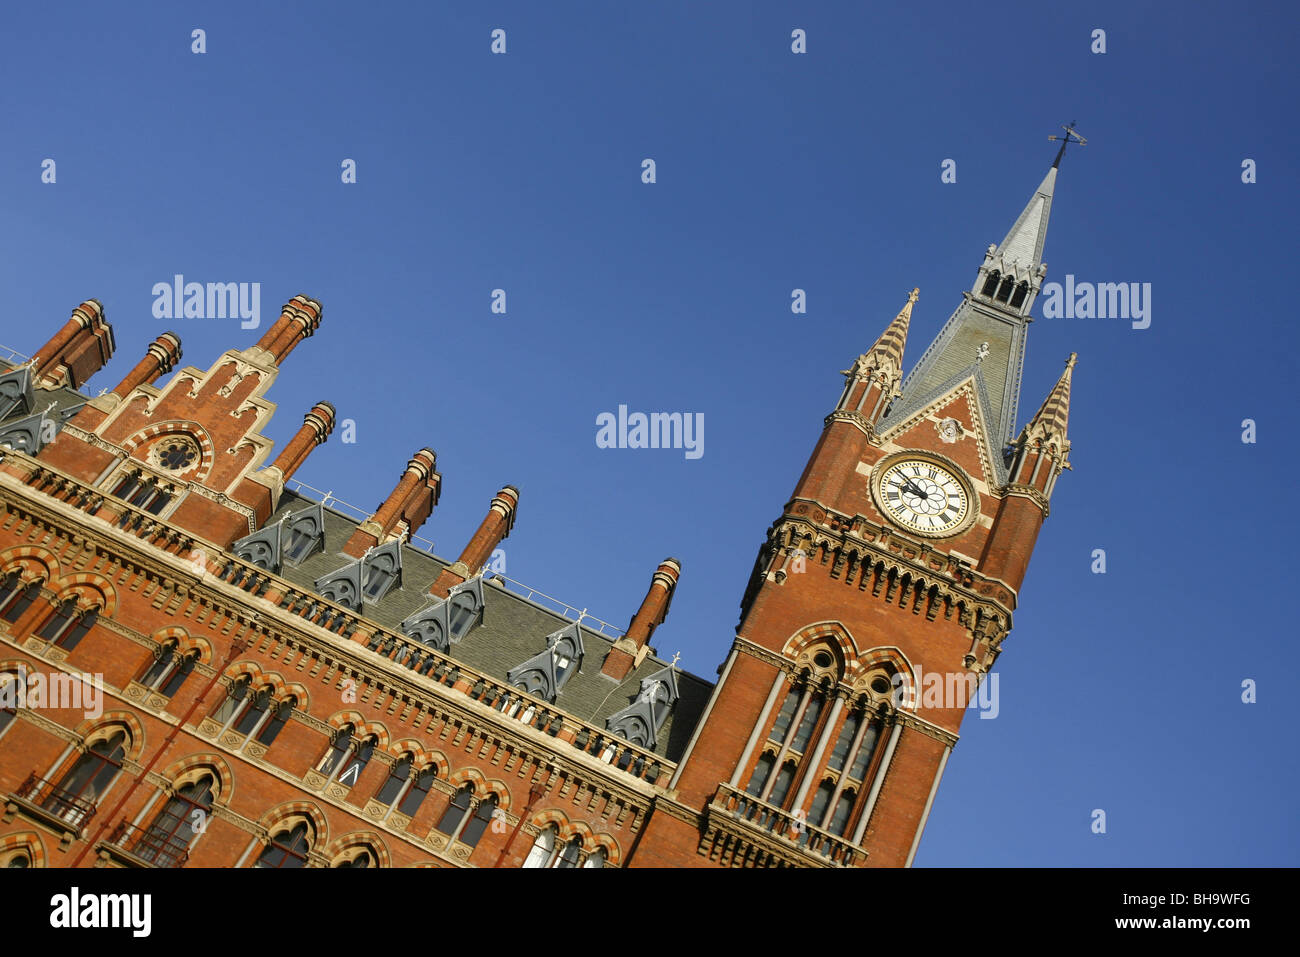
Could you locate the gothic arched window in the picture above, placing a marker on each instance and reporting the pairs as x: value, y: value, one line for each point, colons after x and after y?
x: 781, y: 786
x: 397, y: 781
x: 449, y: 823
x: 89, y: 778
x: 477, y: 824
x: 173, y: 832
x: 18, y: 600
x: 12, y: 694
x: 169, y: 669
x: 417, y: 792
x: 543, y: 848
x: 288, y: 848
x: 69, y: 624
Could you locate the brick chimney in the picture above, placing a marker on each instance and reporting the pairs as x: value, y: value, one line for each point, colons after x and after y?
x: 630, y: 650
x: 405, y: 509
x: 161, y: 356
x: 316, y: 428
x: 299, y: 319
x: 496, y: 526
x: 77, y: 351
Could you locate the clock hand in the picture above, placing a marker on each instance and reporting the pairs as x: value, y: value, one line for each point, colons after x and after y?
x: 907, y: 483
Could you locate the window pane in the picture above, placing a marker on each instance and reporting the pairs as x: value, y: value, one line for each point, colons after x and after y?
x: 271, y: 729
x: 177, y: 678
x: 541, y: 851
x: 418, y: 791
x: 160, y: 666
x: 396, y: 778
x: 843, y: 808
x: 840, y: 753
x: 450, y: 819
x: 253, y: 713
x: 58, y: 621
x: 80, y: 625
x: 463, y: 611
x: 809, y: 722
x: 569, y: 856
x: 234, y: 700
x: 868, y: 746
x: 783, y: 779
x: 759, y: 777
x: 820, y: 801
x: 479, y: 822
x: 785, y: 716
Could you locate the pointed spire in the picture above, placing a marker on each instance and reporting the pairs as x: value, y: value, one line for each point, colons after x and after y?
x: 1045, y: 439
x: 875, y: 375
x: 1053, y: 418
x: 985, y: 336
x: 1023, y: 244
x: 884, y: 360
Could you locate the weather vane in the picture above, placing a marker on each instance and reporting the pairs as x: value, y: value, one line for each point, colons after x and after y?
x: 1071, y: 136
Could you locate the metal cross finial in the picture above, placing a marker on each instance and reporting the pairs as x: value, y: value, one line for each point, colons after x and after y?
x: 676, y: 656
x: 1070, y: 137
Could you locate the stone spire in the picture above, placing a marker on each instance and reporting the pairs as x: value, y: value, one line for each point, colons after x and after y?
x: 881, y: 365
x: 985, y: 336
x: 1045, y: 440
x: 1021, y: 250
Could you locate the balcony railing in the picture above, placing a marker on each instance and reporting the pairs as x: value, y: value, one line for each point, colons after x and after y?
x: 152, y: 847
x: 785, y: 826
x: 331, y: 501
x: 54, y: 804
x: 341, y: 621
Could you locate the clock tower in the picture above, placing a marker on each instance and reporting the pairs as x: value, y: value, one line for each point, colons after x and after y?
x: 883, y: 593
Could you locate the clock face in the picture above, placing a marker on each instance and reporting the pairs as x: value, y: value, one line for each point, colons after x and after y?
x: 923, y: 496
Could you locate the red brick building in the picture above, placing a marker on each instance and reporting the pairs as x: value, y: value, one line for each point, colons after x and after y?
x: 202, y: 666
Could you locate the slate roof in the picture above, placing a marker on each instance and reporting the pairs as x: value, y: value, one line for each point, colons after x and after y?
x: 513, y: 630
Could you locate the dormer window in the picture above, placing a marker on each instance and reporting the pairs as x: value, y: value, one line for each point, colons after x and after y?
x: 367, y: 579
x: 641, y: 721
x: 1004, y: 288
x: 304, y: 534
x: 1018, y: 297
x: 991, y: 284
x: 546, y: 674
x: 450, y: 620
x: 15, y: 392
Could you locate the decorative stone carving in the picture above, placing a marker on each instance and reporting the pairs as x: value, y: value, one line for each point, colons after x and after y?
x: 949, y: 430
x: 314, y: 779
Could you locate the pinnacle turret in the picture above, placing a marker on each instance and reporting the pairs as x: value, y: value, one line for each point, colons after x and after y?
x: 876, y: 374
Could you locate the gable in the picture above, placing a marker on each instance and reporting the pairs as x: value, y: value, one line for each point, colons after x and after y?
x: 961, y: 398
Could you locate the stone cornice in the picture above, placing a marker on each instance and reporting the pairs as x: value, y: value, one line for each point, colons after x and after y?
x: 914, y: 721
x: 1029, y: 492
x: 855, y: 419
x: 765, y: 655
x: 892, y: 549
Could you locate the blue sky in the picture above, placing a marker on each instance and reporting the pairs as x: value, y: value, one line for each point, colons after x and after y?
x: 774, y: 171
